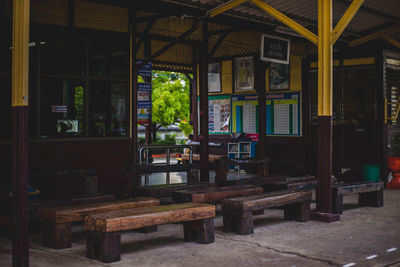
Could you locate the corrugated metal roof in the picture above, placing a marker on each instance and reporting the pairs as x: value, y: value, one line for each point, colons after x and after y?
x: 373, y: 14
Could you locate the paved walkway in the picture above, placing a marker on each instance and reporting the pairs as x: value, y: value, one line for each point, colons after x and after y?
x: 364, y: 237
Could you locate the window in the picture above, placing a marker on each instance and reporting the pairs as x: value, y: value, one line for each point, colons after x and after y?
x: 62, y: 108
x: 354, y: 96
x: 108, y: 108
x: 359, y: 96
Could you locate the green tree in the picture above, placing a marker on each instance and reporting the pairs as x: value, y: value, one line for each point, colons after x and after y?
x: 171, y: 100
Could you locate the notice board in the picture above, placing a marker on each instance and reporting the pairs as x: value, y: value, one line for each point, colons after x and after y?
x: 219, y: 112
x: 244, y: 114
x: 283, y: 112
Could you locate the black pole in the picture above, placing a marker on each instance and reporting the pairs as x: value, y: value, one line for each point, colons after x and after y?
x: 203, y: 73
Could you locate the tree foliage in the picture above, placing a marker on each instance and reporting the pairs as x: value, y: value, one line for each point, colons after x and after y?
x: 171, y: 100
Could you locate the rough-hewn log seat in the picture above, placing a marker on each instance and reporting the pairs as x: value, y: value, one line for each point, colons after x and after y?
x: 370, y: 194
x: 295, y: 184
x: 57, y: 221
x: 238, y: 212
x: 215, y: 194
x: 104, y: 229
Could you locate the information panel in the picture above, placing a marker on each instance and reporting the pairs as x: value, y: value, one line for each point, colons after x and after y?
x: 282, y: 112
x: 245, y: 114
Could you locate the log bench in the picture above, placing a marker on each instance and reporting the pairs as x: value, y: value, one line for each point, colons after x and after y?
x: 215, y: 194
x: 295, y: 184
x: 104, y: 229
x: 370, y: 194
x: 238, y: 212
x: 56, y: 222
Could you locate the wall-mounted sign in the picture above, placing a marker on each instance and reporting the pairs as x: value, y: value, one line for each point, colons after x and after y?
x: 275, y: 49
x: 144, y: 95
x: 59, y: 109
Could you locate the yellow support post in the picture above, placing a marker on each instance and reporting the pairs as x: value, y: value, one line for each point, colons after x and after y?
x: 392, y: 41
x: 345, y: 19
x: 224, y: 7
x: 375, y: 35
x: 286, y: 20
x: 325, y: 58
x: 20, y: 53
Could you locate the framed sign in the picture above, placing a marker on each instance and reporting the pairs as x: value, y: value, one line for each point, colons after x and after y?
x: 275, y: 49
x: 244, y: 74
x: 214, y: 77
x: 278, y: 76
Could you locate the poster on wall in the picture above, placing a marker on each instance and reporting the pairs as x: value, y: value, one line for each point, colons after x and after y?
x: 278, y: 76
x: 214, y: 77
x: 219, y: 112
x: 144, y: 102
x: 244, y: 74
x: 284, y: 114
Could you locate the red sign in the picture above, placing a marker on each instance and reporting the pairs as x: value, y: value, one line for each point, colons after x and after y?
x: 254, y: 137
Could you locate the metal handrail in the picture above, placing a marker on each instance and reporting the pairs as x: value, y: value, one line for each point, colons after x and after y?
x: 147, y: 148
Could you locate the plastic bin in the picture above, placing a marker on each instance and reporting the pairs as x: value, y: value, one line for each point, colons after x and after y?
x: 371, y: 172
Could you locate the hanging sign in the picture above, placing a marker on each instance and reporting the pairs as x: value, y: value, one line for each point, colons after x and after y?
x: 275, y: 49
x: 144, y: 95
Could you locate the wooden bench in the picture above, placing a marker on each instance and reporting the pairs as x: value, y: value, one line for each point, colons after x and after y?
x: 238, y: 212
x: 215, y: 194
x: 295, y: 184
x: 370, y: 194
x: 57, y: 221
x: 104, y: 229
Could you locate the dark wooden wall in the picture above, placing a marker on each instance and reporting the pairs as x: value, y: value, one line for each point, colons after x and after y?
x: 110, y: 157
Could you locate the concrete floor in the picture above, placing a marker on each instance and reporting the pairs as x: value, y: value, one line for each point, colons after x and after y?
x: 362, y: 233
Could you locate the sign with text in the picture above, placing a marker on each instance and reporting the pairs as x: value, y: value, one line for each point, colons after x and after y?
x: 144, y: 95
x: 59, y: 109
x: 275, y: 49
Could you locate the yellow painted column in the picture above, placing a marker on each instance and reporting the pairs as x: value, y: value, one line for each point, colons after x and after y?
x: 20, y: 154
x: 20, y: 53
x: 325, y: 63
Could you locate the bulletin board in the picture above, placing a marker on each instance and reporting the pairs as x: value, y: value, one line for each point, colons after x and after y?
x: 219, y: 112
x: 283, y: 112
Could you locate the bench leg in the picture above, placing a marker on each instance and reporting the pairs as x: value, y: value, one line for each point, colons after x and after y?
x: 148, y: 230
x: 228, y: 224
x: 103, y: 246
x: 200, y: 231
x: 193, y: 177
x: 371, y: 199
x: 240, y: 222
x: 57, y: 236
x: 244, y: 225
x: 299, y: 211
x: 337, y: 203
